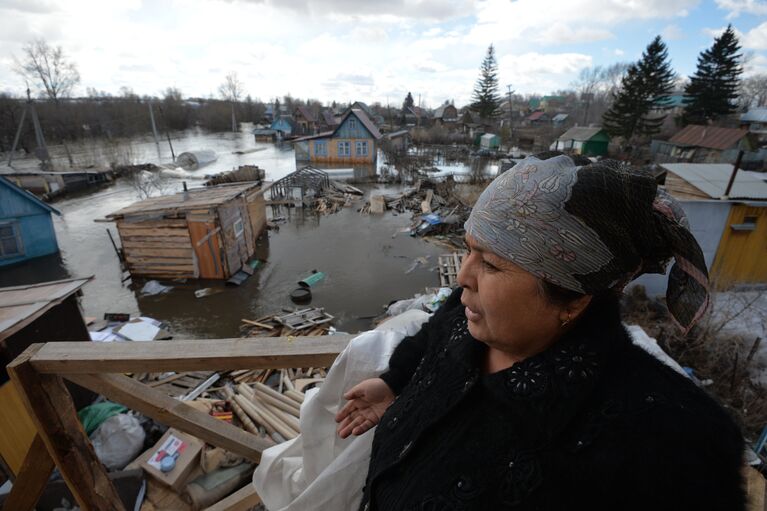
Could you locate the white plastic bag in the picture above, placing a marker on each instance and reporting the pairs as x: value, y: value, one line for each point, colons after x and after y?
x: 118, y: 441
x: 318, y: 470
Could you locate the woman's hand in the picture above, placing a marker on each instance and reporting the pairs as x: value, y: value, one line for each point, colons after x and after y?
x: 368, y: 401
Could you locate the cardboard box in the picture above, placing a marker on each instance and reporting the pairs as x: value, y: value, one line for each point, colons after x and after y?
x: 185, y: 447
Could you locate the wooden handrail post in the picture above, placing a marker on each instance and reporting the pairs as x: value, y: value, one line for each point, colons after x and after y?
x: 33, y: 476
x: 50, y: 406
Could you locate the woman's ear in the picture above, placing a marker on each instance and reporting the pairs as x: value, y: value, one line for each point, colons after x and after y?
x: 576, y: 307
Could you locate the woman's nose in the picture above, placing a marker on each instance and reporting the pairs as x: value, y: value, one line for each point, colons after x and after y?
x: 465, y: 275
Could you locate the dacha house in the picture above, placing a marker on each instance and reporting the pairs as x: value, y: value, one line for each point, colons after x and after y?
x: 354, y: 140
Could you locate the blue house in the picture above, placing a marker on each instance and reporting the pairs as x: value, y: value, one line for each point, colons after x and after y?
x: 284, y: 126
x: 26, y: 227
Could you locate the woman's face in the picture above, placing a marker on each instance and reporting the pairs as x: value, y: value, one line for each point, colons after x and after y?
x: 505, y: 305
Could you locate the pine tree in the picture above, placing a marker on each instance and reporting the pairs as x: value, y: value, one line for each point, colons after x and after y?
x: 408, y: 102
x: 643, y: 95
x: 486, y: 100
x: 713, y: 89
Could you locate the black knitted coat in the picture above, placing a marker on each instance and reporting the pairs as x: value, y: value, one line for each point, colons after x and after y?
x: 593, y: 423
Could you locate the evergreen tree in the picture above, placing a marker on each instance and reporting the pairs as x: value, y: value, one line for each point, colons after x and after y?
x: 408, y: 102
x: 643, y: 95
x: 486, y: 100
x: 713, y: 89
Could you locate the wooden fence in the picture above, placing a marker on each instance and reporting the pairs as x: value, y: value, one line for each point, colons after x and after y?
x: 61, y: 442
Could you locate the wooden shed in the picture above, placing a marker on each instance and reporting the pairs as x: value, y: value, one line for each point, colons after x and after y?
x: 206, y: 233
x: 28, y: 314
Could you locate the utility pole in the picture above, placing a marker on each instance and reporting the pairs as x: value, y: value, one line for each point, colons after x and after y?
x: 234, y: 120
x: 154, y: 130
x: 511, y: 116
x: 167, y: 134
x: 42, y: 148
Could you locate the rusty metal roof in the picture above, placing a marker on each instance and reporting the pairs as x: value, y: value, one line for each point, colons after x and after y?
x: 710, y: 137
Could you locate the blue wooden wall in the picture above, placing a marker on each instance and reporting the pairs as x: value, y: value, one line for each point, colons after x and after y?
x: 34, y: 221
x: 347, y: 131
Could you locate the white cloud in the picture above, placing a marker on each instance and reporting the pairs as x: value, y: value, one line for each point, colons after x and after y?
x: 535, y: 71
x: 672, y: 32
x: 618, y: 52
x: 756, y: 38
x: 737, y: 7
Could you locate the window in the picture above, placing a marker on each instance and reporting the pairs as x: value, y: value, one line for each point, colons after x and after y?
x: 352, y: 123
x: 344, y: 149
x: 361, y: 149
x: 10, y: 240
x: 238, y: 228
x: 320, y: 148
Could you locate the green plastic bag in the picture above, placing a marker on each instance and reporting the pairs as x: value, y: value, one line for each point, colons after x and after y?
x: 93, y: 416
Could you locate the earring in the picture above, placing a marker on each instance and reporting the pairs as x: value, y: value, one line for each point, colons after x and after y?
x: 565, y: 322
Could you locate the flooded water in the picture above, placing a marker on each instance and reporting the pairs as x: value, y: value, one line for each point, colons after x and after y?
x: 364, y: 257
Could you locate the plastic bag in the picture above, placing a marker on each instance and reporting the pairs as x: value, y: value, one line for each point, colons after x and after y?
x: 118, y: 441
x: 94, y: 415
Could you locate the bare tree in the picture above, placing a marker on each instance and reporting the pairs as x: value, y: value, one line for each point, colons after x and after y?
x: 232, y: 90
x: 612, y: 76
x: 49, y: 68
x: 589, y: 80
x: 753, y: 91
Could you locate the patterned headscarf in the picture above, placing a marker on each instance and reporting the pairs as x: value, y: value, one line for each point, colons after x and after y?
x: 592, y: 228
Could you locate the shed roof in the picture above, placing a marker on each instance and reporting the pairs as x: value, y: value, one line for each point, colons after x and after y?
x: 195, y: 198
x: 580, y: 134
x: 755, y: 115
x: 329, y: 118
x: 710, y: 137
x: 27, y: 195
x: 536, y: 115
x: 712, y: 179
x: 21, y: 305
x: 560, y: 117
x: 489, y: 136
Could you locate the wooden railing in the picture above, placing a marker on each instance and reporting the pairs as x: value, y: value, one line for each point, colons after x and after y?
x: 61, y: 442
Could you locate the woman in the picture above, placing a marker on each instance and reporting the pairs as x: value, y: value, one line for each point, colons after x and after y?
x: 524, y: 391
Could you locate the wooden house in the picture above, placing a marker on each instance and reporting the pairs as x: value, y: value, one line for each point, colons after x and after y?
x: 585, y: 141
x: 206, y: 233
x: 755, y: 121
x: 446, y: 115
x: 264, y: 134
x: 538, y: 118
x: 29, y: 314
x: 327, y: 120
x: 284, y: 126
x: 354, y: 140
x: 306, y: 124
x: 736, y: 221
x: 709, y: 144
x: 26, y: 226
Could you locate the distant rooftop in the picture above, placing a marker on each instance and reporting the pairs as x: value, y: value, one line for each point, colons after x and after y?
x: 709, y: 137
x: 755, y: 115
x: 712, y: 179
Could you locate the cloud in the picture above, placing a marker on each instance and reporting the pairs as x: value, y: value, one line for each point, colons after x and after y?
x: 756, y: 38
x: 618, y: 52
x: 502, y: 20
x: 672, y: 33
x: 542, y: 72
x: 432, y: 10
x: 28, y: 6
x: 561, y: 33
x: 737, y: 7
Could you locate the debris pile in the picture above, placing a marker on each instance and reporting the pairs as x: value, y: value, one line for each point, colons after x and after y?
x: 304, y: 322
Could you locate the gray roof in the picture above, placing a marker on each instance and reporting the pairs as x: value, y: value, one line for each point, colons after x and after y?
x: 755, y: 115
x: 21, y: 305
x: 559, y: 117
x: 579, y: 134
x: 712, y: 179
x: 27, y: 195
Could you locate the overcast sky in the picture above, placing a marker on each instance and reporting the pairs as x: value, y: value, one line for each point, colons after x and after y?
x: 360, y: 49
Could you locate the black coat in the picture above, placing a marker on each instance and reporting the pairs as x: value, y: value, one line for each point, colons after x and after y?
x: 593, y: 422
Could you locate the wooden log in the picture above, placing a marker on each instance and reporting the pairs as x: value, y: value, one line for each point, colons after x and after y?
x: 285, y: 417
x: 50, y: 405
x: 263, y: 416
x: 263, y: 389
x: 286, y: 430
x: 295, y: 396
x: 258, y: 324
x: 193, y: 355
x: 243, y: 499
x: 256, y: 417
x: 32, y: 479
x: 172, y: 412
x: 244, y: 418
x: 292, y: 408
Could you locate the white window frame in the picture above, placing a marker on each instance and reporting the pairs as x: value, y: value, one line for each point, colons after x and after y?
x: 361, y: 148
x: 344, y: 148
x: 239, y: 228
x: 352, y: 123
x: 320, y: 148
x: 16, y: 236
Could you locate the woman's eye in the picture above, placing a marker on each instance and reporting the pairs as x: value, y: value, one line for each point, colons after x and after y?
x: 489, y: 266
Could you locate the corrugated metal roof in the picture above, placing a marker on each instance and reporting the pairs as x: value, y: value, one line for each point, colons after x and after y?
x: 535, y: 116
x: 560, y: 117
x: 20, y: 305
x: 755, y: 115
x: 207, y: 197
x: 710, y: 137
x: 579, y: 134
x: 712, y: 179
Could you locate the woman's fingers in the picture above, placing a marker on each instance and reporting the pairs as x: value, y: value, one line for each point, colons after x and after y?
x: 348, y: 408
x: 356, y: 391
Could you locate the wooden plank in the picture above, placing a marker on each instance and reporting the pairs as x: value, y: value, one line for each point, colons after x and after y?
x: 173, y: 413
x: 17, y: 430
x: 166, y: 252
x: 165, y: 222
x: 208, y: 235
x: 190, y: 355
x: 32, y: 478
x: 53, y: 411
x: 241, y: 500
